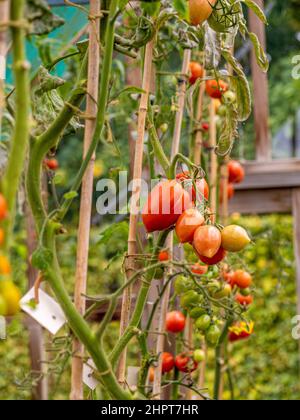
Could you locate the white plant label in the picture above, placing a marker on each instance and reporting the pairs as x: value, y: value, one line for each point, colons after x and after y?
x: 87, y: 375
x: 47, y: 313
x: 2, y: 67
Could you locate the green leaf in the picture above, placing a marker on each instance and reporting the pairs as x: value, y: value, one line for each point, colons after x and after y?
x: 257, y: 10
x: 42, y: 258
x: 181, y: 7
x: 70, y: 195
x: 240, y: 86
x: 119, y: 229
x: 151, y: 7
x: 261, y: 58
x: 229, y: 131
x: 42, y: 19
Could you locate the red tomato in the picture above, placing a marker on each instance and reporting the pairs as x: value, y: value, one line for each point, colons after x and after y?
x: 196, y: 71
x: 201, y: 184
x: 216, y: 88
x: 244, y: 300
x: 207, y: 240
x: 236, y: 172
x: 175, y: 321
x: 199, y: 269
x: 242, y: 279
x: 185, y: 362
x: 205, y: 126
x: 168, y: 362
x: 163, y: 256
x: 187, y: 224
x: 3, y: 207
x: 228, y: 277
x: 220, y: 255
x: 166, y: 202
x: 51, y: 164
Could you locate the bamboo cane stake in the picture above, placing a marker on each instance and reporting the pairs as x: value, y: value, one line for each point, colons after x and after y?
x: 134, y: 205
x: 4, y: 17
x: 86, y: 197
x: 199, y: 135
x: 213, y: 159
x: 169, y: 245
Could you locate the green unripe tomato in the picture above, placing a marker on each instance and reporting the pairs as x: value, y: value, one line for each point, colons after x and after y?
x: 203, y: 323
x: 199, y: 355
x: 197, y: 312
x: 213, y: 335
x: 183, y: 285
x: 225, y: 292
x: 222, y: 111
x: 189, y: 299
x: 245, y: 292
x: 229, y: 97
x: 164, y: 128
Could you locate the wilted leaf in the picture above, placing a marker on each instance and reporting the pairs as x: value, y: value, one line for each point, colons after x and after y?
x: 257, y: 10
x: 229, y: 131
x: 261, y: 58
x: 41, y: 17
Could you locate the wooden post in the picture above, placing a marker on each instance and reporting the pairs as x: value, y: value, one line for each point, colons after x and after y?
x: 136, y: 192
x: 86, y: 197
x: 213, y: 159
x: 260, y: 92
x: 199, y: 135
x: 169, y: 244
x: 296, y: 214
x: 4, y: 17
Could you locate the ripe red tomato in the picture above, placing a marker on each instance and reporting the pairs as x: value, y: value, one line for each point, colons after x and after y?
x: 51, y: 164
x: 166, y: 202
x: 3, y: 207
x: 242, y: 279
x: 236, y: 172
x: 220, y: 255
x: 200, y: 10
x: 185, y: 362
x: 205, y: 126
x: 163, y: 256
x: 201, y: 184
x: 175, y: 322
x: 168, y: 362
x: 244, y: 300
x: 199, y: 269
x: 187, y: 224
x: 196, y: 71
x: 207, y: 240
x: 216, y: 88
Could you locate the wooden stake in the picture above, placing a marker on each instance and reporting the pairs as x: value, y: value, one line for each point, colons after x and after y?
x: 169, y: 245
x: 213, y: 159
x: 134, y: 206
x: 4, y: 17
x: 86, y: 197
x: 199, y: 135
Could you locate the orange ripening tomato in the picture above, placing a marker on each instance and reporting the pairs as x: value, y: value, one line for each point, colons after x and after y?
x: 151, y: 374
x: 207, y: 241
x: 175, y: 322
x: 1, y: 237
x: 5, y: 267
x: 51, y: 164
x: 196, y: 72
x: 166, y: 202
x: 168, y: 362
x: 163, y: 256
x: 3, y: 207
x: 242, y: 279
x: 200, y: 10
x: 199, y: 269
x: 234, y: 238
x: 244, y: 300
x: 236, y: 172
x: 216, y: 88
x: 188, y: 185
x: 216, y: 259
x: 185, y: 362
x: 228, y: 277
x: 187, y: 224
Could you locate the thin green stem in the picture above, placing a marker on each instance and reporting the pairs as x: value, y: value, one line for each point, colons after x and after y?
x: 20, y: 138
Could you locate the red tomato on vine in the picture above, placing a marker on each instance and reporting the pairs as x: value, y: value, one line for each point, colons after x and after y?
x: 163, y: 256
x: 216, y: 259
x: 168, y: 362
x: 175, y: 322
x: 236, y: 172
x: 242, y: 279
x: 199, y: 269
x: 185, y: 362
x: 244, y: 300
x: 3, y: 207
x: 207, y: 241
x: 196, y: 71
x: 201, y: 186
x: 216, y: 88
x: 200, y: 10
x: 187, y: 224
x: 51, y: 164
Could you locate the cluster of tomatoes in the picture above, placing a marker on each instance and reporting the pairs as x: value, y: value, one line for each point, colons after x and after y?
x: 241, y: 281
x: 9, y: 293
